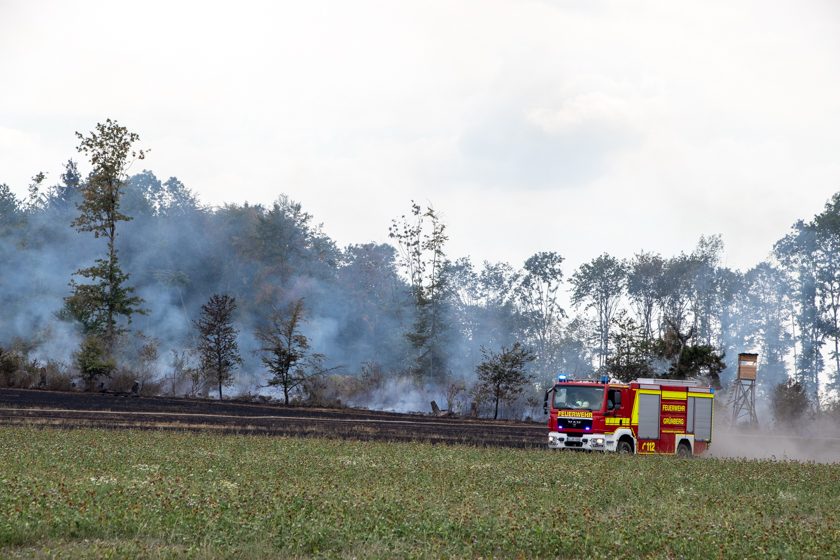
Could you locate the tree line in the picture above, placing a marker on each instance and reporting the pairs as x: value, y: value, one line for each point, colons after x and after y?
x: 114, y: 273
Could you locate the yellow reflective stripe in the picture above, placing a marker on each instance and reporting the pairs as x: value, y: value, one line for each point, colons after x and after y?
x: 674, y: 395
x: 635, y: 415
x: 702, y: 395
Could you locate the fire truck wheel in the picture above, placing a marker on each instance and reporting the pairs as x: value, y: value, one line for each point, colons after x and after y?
x: 624, y: 447
x: 684, y: 450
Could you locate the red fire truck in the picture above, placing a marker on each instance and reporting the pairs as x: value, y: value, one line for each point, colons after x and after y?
x: 645, y: 416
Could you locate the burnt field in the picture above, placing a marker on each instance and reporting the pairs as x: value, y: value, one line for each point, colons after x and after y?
x: 94, y: 410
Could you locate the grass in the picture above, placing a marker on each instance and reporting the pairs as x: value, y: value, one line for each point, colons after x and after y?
x: 105, y: 494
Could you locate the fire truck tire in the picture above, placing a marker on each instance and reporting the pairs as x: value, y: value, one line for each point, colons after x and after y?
x: 684, y: 450
x: 624, y: 447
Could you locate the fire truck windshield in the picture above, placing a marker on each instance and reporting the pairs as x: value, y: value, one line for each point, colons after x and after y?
x: 580, y: 398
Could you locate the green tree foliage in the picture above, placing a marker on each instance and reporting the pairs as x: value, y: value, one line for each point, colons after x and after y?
x: 789, y: 402
x: 37, y: 198
x: 11, y: 363
x: 10, y: 212
x: 796, y: 253
x: 674, y: 355
x: 62, y: 194
x: 633, y: 351
x: 826, y: 226
x: 286, y: 352
x: 645, y: 288
x: 218, y: 349
x: 99, y: 304
x: 420, y: 240
x: 497, y: 286
x: 537, y: 295
x: 94, y: 360
x: 432, y: 320
x: 706, y: 295
x: 698, y: 361
x: 374, y: 303
x: 687, y: 358
x: 283, y: 237
x: 766, y: 310
x: 599, y: 284
x: 677, y: 290
x: 502, y: 375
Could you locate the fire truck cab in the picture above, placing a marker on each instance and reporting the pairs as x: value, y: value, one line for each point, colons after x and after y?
x: 645, y: 416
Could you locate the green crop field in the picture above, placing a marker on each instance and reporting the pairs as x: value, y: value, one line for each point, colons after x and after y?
x: 100, y: 494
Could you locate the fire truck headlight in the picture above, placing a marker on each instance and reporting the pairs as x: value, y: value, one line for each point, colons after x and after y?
x: 598, y: 442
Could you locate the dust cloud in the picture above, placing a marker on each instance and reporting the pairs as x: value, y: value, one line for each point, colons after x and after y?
x: 729, y: 443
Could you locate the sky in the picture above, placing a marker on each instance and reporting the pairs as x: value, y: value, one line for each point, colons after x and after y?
x: 580, y: 127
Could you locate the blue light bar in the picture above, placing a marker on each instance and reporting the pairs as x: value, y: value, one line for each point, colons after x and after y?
x: 562, y: 377
x: 605, y: 379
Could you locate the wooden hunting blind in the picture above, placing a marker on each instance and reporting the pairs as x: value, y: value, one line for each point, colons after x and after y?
x: 747, y: 366
x: 743, y: 391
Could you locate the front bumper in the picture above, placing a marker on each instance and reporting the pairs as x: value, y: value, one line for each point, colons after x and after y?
x: 581, y: 442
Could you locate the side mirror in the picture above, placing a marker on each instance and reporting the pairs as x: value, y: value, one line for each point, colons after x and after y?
x: 545, y: 403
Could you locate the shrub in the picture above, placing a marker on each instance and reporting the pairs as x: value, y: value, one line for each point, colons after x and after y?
x: 93, y: 361
x: 58, y: 378
x: 11, y: 363
x: 789, y: 402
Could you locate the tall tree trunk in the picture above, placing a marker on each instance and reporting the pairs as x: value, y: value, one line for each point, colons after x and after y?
x: 834, y: 306
x: 110, y: 328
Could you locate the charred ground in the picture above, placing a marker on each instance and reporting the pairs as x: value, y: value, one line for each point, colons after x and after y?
x: 109, y: 411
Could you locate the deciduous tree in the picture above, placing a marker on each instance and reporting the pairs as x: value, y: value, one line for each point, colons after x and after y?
x: 796, y: 253
x: 502, y: 375
x: 100, y: 303
x: 420, y: 240
x: 537, y: 297
x: 93, y: 360
x: 600, y: 284
x: 644, y: 286
x: 286, y: 352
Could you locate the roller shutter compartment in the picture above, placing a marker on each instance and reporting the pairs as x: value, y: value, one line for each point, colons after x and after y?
x: 702, y: 419
x: 649, y: 407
